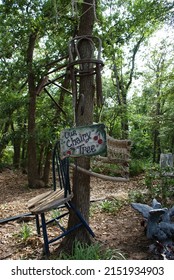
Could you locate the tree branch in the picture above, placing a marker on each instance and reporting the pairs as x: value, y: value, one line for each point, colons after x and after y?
x: 135, y: 50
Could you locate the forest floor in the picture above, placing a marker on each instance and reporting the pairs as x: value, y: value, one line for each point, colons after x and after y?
x: 119, y: 230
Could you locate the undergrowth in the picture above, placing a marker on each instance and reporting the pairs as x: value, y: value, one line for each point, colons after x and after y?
x: 91, y: 252
x: 111, y: 206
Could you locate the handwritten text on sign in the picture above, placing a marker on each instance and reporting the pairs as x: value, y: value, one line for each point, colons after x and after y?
x: 83, y: 141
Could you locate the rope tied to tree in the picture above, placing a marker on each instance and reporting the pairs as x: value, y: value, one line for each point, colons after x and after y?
x: 75, y: 8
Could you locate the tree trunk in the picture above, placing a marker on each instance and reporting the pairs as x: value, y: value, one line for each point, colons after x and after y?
x: 40, y: 159
x: 17, y: 152
x: 122, y: 84
x: 81, y: 181
x: 23, y: 163
x: 33, y: 176
x: 156, y: 145
x: 4, y: 140
x: 47, y: 165
x: 124, y: 118
x: 121, y: 94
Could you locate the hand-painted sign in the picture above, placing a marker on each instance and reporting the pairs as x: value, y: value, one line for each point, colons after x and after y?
x: 83, y: 141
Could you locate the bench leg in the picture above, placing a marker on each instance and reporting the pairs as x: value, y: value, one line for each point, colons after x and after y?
x: 45, y: 236
x: 85, y: 224
x: 37, y: 224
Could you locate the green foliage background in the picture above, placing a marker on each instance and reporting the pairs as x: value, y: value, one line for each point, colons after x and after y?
x: 124, y: 28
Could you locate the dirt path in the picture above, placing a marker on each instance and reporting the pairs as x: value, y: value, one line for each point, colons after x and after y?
x: 120, y: 230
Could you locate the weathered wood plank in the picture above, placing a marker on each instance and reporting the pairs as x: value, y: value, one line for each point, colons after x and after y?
x: 47, y: 201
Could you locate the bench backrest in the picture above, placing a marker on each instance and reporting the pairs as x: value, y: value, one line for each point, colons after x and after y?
x: 60, y: 168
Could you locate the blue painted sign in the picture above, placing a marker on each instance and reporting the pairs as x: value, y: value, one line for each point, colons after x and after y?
x: 83, y: 141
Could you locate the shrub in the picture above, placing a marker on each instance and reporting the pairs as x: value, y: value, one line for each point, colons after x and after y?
x: 136, y: 167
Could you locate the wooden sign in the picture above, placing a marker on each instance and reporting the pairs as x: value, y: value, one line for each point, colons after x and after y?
x: 83, y: 141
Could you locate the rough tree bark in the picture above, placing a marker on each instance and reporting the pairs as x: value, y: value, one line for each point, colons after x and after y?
x: 81, y: 182
x: 33, y: 176
x: 34, y: 88
x: 34, y: 180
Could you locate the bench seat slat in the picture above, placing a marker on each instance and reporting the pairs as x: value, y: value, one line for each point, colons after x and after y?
x: 47, y: 201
